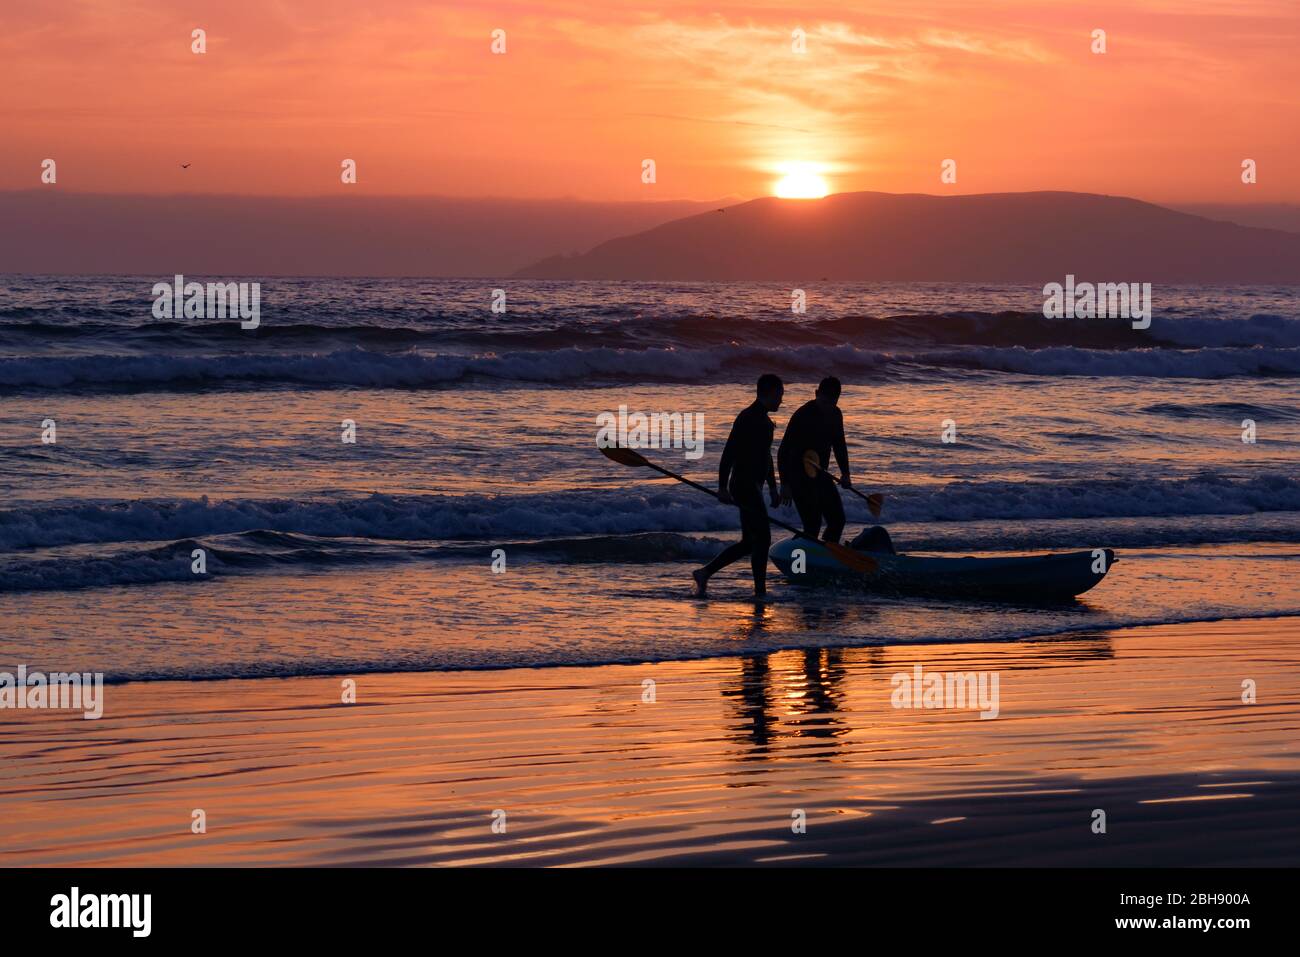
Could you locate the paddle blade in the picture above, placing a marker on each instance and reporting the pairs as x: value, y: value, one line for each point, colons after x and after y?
x: 623, y: 456
x: 812, y: 463
x: 851, y: 559
x: 876, y: 504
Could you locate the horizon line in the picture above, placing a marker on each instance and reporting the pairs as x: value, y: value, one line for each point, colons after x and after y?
x: 733, y: 199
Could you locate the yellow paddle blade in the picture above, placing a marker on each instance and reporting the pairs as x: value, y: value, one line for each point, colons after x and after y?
x: 876, y: 503
x: 851, y: 559
x: 812, y: 463
x: 623, y: 456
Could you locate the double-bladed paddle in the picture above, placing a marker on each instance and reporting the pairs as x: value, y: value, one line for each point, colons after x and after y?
x: 812, y: 464
x: 856, y: 561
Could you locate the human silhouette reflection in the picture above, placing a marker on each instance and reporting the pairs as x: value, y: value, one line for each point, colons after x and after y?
x: 771, y: 700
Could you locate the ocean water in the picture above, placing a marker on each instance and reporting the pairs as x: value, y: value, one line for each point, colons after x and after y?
x: 476, y: 431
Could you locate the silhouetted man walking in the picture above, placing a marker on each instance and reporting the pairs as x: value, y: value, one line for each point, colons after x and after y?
x: 746, y: 465
x: 817, y: 425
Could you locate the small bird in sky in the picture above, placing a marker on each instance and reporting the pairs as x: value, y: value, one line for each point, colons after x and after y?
x: 185, y: 166
x: 719, y: 210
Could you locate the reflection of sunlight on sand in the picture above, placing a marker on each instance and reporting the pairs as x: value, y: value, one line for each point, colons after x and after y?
x: 1195, y: 797
x: 589, y: 772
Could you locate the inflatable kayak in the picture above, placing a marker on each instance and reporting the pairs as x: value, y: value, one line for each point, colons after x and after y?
x: 1022, y: 577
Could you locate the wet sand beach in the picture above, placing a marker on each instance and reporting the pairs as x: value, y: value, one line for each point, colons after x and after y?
x: 1145, y: 724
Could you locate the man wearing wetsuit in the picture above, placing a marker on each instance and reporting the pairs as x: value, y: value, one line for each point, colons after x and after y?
x: 746, y: 465
x: 818, y: 425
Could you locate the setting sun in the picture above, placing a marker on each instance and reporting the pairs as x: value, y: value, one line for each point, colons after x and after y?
x: 801, y: 181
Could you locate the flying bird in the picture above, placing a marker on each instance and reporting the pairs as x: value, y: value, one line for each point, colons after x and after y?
x: 185, y: 166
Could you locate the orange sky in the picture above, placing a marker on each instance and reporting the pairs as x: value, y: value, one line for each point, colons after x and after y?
x: 288, y: 88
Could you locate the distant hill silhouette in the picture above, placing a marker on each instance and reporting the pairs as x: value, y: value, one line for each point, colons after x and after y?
x: 1267, y: 215
x: 52, y: 230
x: 991, y: 237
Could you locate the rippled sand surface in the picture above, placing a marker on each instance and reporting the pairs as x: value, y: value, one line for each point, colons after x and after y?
x: 1147, y: 725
